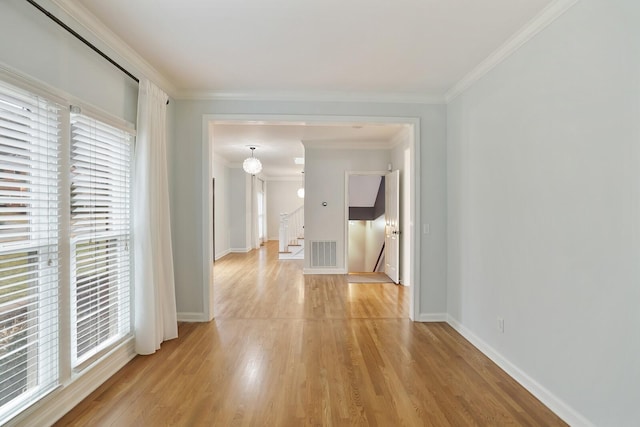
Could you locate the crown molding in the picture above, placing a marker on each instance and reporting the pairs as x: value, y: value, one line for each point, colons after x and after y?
x: 549, y: 14
x: 389, y: 98
x: 96, y: 28
x: 347, y: 145
x: 86, y: 19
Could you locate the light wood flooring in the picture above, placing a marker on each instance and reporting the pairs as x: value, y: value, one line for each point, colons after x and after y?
x: 293, y: 350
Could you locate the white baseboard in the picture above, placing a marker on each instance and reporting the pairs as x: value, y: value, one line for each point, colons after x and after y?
x: 324, y: 271
x: 285, y: 257
x: 559, y: 407
x: 192, y: 317
x: 221, y: 254
x: 239, y: 250
x: 432, y: 317
x: 54, y: 406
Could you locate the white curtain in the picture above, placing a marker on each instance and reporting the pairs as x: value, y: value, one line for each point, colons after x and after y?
x: 155, y: 301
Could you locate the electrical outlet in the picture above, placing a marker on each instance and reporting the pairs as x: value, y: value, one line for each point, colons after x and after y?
x: 501, y: 325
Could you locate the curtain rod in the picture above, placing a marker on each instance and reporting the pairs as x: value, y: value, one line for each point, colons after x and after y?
x: 82, y: 39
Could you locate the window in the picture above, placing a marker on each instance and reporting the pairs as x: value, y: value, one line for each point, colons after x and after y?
x: 29, y: 236
x: 64, y: 242
x: 100, y: 235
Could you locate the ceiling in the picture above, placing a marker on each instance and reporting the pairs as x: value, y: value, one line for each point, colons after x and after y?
x: 407, y: 50
x: 363, y: 190
x: 278, y: 143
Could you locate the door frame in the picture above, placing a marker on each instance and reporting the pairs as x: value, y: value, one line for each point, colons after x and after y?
x: 413, y: 227
x: 347, y: 176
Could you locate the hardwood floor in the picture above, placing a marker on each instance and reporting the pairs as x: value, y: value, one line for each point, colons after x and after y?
x: 293, y: 350
x: 277, y: 289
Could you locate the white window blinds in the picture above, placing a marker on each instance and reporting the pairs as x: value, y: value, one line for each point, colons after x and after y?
x: 29, y: 267
x: 100, y: 235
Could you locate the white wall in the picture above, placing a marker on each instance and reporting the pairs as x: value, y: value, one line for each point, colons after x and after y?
x: 325, y: 182
x: 375, y: 239
x: 239, y: 210
x: 357, y: 246
x: 282, y: 197
x: 188, y: 177
x: 233, y: 209
x: 544, y: 211
x: 365, y: 241
x: 222, y: 204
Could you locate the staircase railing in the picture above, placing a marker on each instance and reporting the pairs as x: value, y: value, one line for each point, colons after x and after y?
x: 380, y: 257
x: 291, y: 229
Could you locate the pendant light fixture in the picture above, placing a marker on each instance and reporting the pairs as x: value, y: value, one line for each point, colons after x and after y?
x: 251, y: 164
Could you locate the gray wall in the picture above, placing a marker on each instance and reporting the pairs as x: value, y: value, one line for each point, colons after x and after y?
x: 544, y: 210
x: 34, y: 45
x: 188, y: 177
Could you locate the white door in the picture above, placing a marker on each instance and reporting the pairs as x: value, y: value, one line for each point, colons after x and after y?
x: 392, y: 226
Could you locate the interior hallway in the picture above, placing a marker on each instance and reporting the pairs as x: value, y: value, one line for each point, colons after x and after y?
x: 293, y: 350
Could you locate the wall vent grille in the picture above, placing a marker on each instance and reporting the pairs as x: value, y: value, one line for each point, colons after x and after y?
x: 323, y: 253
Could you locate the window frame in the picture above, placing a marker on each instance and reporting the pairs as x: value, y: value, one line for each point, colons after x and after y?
x: 67, y: 372
x: 80, y: 361
x: 43, y: 245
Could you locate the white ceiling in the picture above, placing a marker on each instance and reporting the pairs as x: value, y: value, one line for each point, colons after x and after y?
x: 277, y: 144
x: 363, y: 190
x: 414, y: 50
x: 411, y: 48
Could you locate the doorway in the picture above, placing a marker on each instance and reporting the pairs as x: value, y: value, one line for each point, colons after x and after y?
x: 366, y: 223
x: 412, y: 205
x: 374, y: 224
